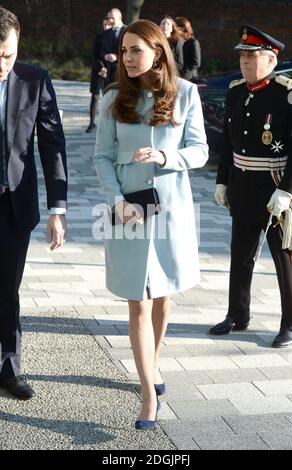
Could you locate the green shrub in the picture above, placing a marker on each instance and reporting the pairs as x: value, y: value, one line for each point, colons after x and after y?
x: 63, y: 62
x: 213, y: 66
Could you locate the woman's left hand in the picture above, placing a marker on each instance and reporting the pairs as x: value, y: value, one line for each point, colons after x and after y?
x: 148, y: 155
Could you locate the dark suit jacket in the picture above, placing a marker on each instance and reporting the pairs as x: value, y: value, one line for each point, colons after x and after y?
x: 31, y: 103
x: 192, y: 56
x: 96, y: 81
x: 110, y: 45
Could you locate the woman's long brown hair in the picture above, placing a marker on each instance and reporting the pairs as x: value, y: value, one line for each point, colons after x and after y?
x: 184, y: 23
x: 162, y: 76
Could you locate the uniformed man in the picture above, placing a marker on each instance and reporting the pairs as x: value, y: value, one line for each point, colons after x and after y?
x: 255, y: 175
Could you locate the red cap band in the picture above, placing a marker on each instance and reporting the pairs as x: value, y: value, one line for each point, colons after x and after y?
x: 255, y: 40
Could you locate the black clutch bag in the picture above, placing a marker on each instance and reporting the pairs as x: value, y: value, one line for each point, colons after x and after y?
x: 146, y: 200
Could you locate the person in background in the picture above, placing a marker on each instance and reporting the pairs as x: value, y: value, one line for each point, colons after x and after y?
x: 169, y: 28
x: 110, y: 44
x: 98, y: 75
x: 150, y: 133
x: 191, y: 49
x: 27, y: 102
x: 254, y: 176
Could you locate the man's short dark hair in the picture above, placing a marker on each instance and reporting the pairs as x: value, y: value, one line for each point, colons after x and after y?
x: 8, y: 21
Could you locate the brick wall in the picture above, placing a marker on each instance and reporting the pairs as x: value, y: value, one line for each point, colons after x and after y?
x: 215, y: 22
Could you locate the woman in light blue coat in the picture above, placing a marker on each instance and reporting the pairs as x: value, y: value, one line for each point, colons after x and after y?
x: 150, y: 133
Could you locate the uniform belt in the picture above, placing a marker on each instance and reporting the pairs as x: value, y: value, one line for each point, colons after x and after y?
x: 259, y: 163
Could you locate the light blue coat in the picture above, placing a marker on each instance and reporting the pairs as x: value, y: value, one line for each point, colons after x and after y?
x: 162, y: 255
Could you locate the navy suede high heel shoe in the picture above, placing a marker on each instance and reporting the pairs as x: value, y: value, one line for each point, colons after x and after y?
x: 147, y: 424
x: 159, y: 389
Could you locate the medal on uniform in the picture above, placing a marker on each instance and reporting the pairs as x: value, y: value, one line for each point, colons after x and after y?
x: 267, y: 136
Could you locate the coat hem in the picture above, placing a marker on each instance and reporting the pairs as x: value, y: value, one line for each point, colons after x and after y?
x: 156, y: 296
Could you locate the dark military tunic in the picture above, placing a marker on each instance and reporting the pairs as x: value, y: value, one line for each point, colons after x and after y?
x: 248, y: 116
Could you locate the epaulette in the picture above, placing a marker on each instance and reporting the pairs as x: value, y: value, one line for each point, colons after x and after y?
x: 285, y: 81
x: 236, y: 82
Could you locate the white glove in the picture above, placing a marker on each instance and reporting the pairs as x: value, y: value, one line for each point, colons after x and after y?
x: 279, y: 202
x: 220, y: 195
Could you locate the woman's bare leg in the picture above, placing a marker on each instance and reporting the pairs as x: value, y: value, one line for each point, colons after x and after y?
x: 160, y: 314
x: 143, y: 345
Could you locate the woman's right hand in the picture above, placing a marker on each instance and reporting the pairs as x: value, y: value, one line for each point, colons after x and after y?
x: 128, y: 213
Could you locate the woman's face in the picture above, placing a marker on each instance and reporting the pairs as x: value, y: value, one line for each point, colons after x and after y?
x: 166, y: 27
x: 138, y: 57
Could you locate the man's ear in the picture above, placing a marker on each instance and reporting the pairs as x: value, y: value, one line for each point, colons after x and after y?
x: 272, y: 60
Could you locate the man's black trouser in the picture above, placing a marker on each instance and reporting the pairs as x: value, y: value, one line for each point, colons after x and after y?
x: 245, y: 239
x: 13, y: 248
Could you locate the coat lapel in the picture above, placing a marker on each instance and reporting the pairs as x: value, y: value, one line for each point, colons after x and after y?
x: 14, y: 90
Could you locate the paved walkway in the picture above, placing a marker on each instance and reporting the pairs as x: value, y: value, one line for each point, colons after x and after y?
x: 231, y: 392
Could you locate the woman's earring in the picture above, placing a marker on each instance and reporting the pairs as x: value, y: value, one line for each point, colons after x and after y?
x: 154, y: 65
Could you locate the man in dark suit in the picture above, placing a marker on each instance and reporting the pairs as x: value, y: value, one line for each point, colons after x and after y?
x: 110, y: 43
x: 255, y: 175
x: 98, y: 75
x: 27, y: 101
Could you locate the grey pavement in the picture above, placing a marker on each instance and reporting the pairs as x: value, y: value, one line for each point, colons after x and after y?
x: 230, y: 392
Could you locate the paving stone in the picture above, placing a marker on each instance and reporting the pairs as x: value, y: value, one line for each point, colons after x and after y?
x: 213, y: 349
x: 235, y: 375
x: 187, y: 338
x: 185, y: 443
x: 185, y: 377
x: 166, y: 364
x: 280, y: 441
x: 258, y: 424
x: 236, y: 390
x: 184, y: 392
x: 245, y: 442
x: 166, y: 413
x: 206, y: 363
x: 200, y: 408
x: 262, y: 360
x: 270, y: 405
x: 118, y: 341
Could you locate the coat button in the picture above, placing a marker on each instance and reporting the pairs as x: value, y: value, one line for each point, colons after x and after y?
x: 229, y: 120
x: 243, y: 150
x: 247, y: 114
x: 150, y: 181
x: 245, y: 132
x: 149, y: 94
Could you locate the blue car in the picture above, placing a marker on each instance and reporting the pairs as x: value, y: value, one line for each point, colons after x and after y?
x: 222, y: 80
x: 213, y: 92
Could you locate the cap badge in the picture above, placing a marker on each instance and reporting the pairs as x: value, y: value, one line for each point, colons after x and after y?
x: 244, y: 34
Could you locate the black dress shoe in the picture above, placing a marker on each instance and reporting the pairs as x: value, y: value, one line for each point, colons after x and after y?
x: 91, y: 128
x: 227, y: 325
x: 283, y: 338
x: 17, y: 387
